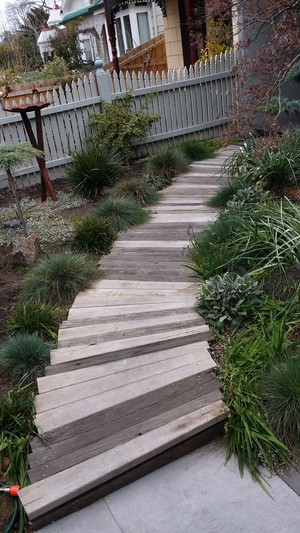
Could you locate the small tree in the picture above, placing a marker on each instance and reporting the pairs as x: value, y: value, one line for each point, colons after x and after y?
x: 12, y: 156
x: 118, y: 125
x: 66, y: 45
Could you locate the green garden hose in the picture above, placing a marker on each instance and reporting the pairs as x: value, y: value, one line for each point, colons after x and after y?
x: 6, y: 489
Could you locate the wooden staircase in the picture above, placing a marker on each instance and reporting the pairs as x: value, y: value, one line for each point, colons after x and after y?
x: 131, y: 385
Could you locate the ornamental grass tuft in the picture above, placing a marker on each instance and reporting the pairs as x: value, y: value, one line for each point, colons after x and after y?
x: 121, y: 212
x: 24, y: 357
x: 35, y: 318
x: 58, y: 279
x: 136, y: 189
x: 94, y: 234
x: 168, y: 162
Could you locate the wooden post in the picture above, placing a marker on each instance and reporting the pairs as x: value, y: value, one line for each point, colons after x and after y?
x: 39, y: 144
x: 112, y: 38
x: 190, y: 23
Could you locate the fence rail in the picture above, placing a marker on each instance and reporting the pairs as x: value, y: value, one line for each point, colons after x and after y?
x: 191, y: 102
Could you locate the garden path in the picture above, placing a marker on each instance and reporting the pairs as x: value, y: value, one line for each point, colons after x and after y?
x: 131, y: 385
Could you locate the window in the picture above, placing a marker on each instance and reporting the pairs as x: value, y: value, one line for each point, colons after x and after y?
x: 143, y: 26
x: 120, y: 37
x: 128, y: 34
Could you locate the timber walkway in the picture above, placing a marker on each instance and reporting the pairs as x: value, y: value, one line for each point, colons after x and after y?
x: 131, y: 385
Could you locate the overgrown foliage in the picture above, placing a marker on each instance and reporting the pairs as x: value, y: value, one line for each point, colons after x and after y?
x: 195, y: 150
x: 167, y: 162
x: 57, y: 68
x: 226, y: 301
x: 67, y: 45
x: 59, y: 278
x: 24, y: 357
x: 94, y: 234
x: 120, y: 123
x: 94, y: 168
x: 121, y: 212
x: 137, y: 190
x: 35, y: 318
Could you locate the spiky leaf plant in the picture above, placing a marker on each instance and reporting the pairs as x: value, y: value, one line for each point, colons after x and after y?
x: 121, y: 212
x: 168, y: 163
x: 94, y: 168
x: 94, y: 234
x: 280, y: 390
x: 59, y: 278
x: 136, y: 189
x: 35, y: 318
x: 195, y: 150
x: 24, y: 357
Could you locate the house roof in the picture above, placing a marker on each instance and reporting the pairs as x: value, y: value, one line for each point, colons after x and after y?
x: 83, y: 12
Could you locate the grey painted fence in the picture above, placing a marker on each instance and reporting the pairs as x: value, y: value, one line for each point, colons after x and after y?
x: 195, y: 102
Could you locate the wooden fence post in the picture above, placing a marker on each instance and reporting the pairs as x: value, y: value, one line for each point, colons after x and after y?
x: 103, y: 81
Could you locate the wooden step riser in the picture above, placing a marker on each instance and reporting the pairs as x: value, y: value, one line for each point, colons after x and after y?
x: 124, y: 353
x: 82, y: 421
x: 51, y: 463
x: 66, y: 379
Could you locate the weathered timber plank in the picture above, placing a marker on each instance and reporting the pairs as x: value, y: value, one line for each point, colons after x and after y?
x: 124, y: 310
x: 65, y: 460
x: 92, y: 407
x: 116, y: 284
x: 125, y: 346
x: 47, y: 494
x: 64, y: 379
x: 79, y: 391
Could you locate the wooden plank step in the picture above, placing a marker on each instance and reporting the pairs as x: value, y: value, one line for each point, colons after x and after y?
x: 65, y: 379
x: 98, y: 385
x: 125, y: 328
x: 91, y: 300
x: 84, y: 355
x: 51, y: 493
x: 162, y: 286
x: 50, y: 460
x: 107, y: 312
x: 89, y: 321
x: 102, y: 407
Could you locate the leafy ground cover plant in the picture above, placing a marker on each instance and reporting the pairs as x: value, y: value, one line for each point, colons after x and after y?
x: 35, y: 318
x: 226, y: 301
x: 119, y: 124
x: 168, y: 162
x: 281, y: 394
x: 246, y: 197
x: 121, y: 212
x: 59, y: 278
x: 94, y: 234
x: 195, y: 150
x: 137, y: 190
x: 247, y: 358
x: 95, y: 167
x: 24, y: 357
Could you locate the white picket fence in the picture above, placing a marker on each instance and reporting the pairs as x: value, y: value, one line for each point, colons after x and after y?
x: 196, y: 102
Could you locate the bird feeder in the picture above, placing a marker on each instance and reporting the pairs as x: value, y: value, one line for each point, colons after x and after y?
x: 24, y: 102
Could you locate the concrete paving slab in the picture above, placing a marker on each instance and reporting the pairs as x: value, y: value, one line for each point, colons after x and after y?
x: 195, y: 494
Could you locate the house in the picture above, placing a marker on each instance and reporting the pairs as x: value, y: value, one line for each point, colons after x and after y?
x: 135, y: 22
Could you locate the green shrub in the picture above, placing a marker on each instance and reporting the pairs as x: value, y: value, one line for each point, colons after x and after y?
x: 262, y: 238
x: 168, y: 163
x: 59, y: 278
x: 157, y: 182
x: 94, y: 168
x: 94, y: 234
x: 121, y: 212
x: 247, y: 357
x: 35, y: 318
x: 119, y: 124
x: 136, y: 189
x: 194, y: 150
x: 57, y: 68
x: 281, y: 394
x: 17, y: 429
x: 225, y: 301
x: 24, y: 357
